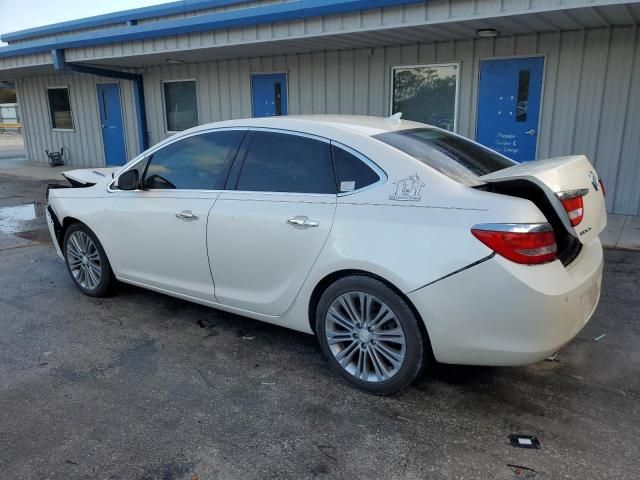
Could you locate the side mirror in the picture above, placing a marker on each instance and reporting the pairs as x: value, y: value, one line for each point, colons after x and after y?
x: 129, y: 180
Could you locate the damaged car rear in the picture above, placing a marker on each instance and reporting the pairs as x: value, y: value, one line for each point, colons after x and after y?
x: 395, y: 243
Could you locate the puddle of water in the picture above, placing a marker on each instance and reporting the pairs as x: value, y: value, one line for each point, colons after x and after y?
x: 21, y: 218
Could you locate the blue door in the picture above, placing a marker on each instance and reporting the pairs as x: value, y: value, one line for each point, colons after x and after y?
x: 111, y: 124
x: 269, y: 94
x: 509, y: 106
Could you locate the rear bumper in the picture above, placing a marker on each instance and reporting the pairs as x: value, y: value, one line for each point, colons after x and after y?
x: 502, y: 313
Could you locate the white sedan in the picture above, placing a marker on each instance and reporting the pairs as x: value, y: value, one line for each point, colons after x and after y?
x: 394, y: 242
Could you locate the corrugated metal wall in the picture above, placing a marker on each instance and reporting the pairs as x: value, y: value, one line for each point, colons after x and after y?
x: 589, y: 105
x: 393, y: 25
x: 83, y: 146
x: 590, y: 102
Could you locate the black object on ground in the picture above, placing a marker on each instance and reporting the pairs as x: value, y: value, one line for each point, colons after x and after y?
x: 524, y: 441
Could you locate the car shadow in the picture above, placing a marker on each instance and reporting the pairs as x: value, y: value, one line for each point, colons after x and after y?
x: 214, y: 323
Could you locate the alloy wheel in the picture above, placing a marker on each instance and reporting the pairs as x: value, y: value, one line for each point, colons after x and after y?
x: 84, y: 260
x: 365, y: 337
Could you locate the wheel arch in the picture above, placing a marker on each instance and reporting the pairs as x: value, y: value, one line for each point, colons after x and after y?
x: 325, y: 282
x: 64, y: 226
x: 60, y: 227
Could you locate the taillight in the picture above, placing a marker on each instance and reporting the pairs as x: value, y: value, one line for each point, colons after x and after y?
x: 528, y: 243
x: 573, y: 204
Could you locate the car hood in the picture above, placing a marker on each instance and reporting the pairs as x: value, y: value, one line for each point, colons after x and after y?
x: 89, y: 176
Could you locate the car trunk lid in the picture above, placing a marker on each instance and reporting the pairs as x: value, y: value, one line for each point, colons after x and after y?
x: 562, y: 178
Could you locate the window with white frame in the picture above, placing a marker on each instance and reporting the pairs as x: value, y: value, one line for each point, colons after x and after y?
x: 60, y: 108
x: 180, y: 105
x: 427, y: 94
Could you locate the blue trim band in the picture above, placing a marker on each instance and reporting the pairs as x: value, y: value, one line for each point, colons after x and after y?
x: 295, y: 10
x: 133, y: 15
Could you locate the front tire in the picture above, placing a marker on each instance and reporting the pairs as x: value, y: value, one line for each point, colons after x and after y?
x: 87, y: 261
x: 369, y: 335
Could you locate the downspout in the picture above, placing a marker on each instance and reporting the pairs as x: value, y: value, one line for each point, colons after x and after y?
x: 59, y: 64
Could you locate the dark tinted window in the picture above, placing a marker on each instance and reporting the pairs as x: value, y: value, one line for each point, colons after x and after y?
x: 180, y: 105
x: 454, y: 156
x: 60, y: 108
x: 199, y: 162
x: 279, y: 162
x: 352, y: 173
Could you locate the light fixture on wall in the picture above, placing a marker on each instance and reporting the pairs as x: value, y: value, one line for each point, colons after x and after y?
x: 174, y: 61
x: 487, y: 32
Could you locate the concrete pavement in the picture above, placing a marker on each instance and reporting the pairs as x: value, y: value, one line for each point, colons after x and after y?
x: 19, y: 167
x: 144, y: 386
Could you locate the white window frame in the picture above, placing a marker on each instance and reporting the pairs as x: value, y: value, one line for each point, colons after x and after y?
x: 458, y: 66
x: 164, y: 103
x: 73, y: 122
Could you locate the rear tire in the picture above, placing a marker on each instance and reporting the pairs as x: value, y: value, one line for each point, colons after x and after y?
x: 87, y: 261
x: 369, y: 335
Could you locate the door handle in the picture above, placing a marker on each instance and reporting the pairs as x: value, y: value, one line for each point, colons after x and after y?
x: 302, y: 221
x: 187, y: 215
x: 531, y: 132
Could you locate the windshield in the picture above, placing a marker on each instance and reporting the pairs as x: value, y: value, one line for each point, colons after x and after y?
x: 454, y: 156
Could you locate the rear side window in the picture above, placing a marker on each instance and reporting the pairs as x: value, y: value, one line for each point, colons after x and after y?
x: 351, y: 172
x: 199, y: 162
x: 280, y: 162
x: 454, y: 156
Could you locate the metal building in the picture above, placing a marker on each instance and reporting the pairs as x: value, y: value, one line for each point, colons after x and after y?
x: 530, y: 78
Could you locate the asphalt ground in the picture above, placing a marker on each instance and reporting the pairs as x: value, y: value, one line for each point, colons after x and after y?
x: 144, y: 386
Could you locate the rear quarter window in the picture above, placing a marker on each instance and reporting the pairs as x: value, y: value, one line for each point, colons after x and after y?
x: 351, y: 172
x: 452, y: 155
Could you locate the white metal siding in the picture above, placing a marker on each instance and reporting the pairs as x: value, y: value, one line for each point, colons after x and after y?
x: 83, y: 146
x: 446, y: 19
x: 588, y: 105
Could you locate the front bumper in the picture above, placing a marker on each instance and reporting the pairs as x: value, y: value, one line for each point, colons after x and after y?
x: 52, y: 231
x: 502, y: 313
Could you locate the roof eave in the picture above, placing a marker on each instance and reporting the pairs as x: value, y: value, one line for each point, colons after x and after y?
x: 237, y: 18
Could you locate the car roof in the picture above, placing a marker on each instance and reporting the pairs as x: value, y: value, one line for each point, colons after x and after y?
x: 358, y: 124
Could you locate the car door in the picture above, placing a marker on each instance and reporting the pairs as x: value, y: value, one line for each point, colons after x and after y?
x: 268, y: 227
x: 162, y: 226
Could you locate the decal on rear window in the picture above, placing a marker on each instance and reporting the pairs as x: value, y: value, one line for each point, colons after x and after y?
x: 408, y: 189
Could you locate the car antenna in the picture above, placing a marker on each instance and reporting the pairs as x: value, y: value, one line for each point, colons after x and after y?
x: 395, y: 118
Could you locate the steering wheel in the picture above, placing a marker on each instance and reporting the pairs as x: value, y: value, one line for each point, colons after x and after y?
x: 156, y: 181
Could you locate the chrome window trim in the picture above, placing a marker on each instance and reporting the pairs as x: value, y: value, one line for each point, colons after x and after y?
x: 374, y: 166
x: 291, y: 132
x: 567, y: 194
x: 260, y: 192
x: 382, y: 175
x: 515, y: 227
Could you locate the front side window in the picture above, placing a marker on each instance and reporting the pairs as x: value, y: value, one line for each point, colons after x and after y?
x: 200, y: 162
x: 351, y: 172
x: 181, y: 105
x: 60, y: 108
x: 427, y: 94
x: 452, y: 155
x: 280, y: 162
